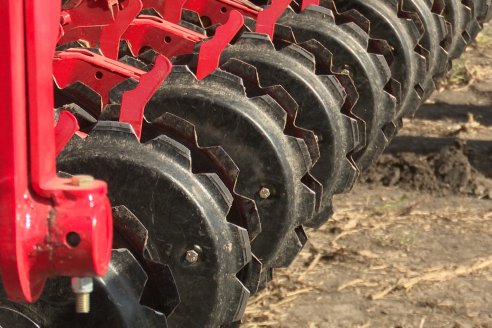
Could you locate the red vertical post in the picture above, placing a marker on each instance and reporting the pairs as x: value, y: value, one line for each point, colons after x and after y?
x: 38, y: 209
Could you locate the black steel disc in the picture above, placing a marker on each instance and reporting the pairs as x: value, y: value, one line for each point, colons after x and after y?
x: 480, y: 10
x: 349, y: 44
x: 465, y: 20
x: 319, y: 98
x: 485, y: 11
x: 214, y: 159
x: 432, y: 27
x: 251, y: 131
x: 458, y: 16
x: 408, y: 67
x: 184, y: 213
x: 10, y: 317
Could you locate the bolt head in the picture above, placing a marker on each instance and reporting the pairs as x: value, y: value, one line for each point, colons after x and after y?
x: 265, y: 193
x: 81, y: 180
x: 191, y: 256
x: 82, y: 285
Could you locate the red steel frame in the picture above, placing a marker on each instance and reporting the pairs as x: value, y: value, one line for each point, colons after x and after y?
x: 103, y: 23
x: 101, y: 73
x: 100, y: 23
x: 91, y: 21
x: 218, y: 11
x: 38, y: 210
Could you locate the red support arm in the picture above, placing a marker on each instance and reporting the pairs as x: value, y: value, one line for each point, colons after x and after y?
x: 38, y: 210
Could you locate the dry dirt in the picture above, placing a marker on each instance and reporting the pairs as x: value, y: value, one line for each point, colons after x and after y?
x: 411, y: 245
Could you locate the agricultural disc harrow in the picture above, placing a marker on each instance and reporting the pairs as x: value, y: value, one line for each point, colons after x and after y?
x: 222, y: 127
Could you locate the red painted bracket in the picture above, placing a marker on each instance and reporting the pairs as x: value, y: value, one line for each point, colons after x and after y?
x: 97, y: 72
x: 168, y: 39
x: 99, y: 23
x: 307, y: 3
x: 210, y: 50
x: 65, y: 128
x: 265, y: 23
x: 102, y: 74
x: 133, y: 102
x: 217, y: 11
x: 111, y: 34
x: 169, y: 10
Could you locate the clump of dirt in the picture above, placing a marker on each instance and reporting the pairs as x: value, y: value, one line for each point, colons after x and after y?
x: 443, y: 173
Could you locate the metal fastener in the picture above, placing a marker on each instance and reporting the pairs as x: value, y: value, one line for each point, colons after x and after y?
x: 264, y: 193
x: 82, y: 180
x: 191, y: 256
x: 82, y: 287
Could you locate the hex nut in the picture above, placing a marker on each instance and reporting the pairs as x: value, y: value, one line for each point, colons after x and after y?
x: 265, y: 193
x: 82, y: 285
x: 191, y: 256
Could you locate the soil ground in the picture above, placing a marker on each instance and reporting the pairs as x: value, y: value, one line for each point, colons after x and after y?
x: 411, y: 245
